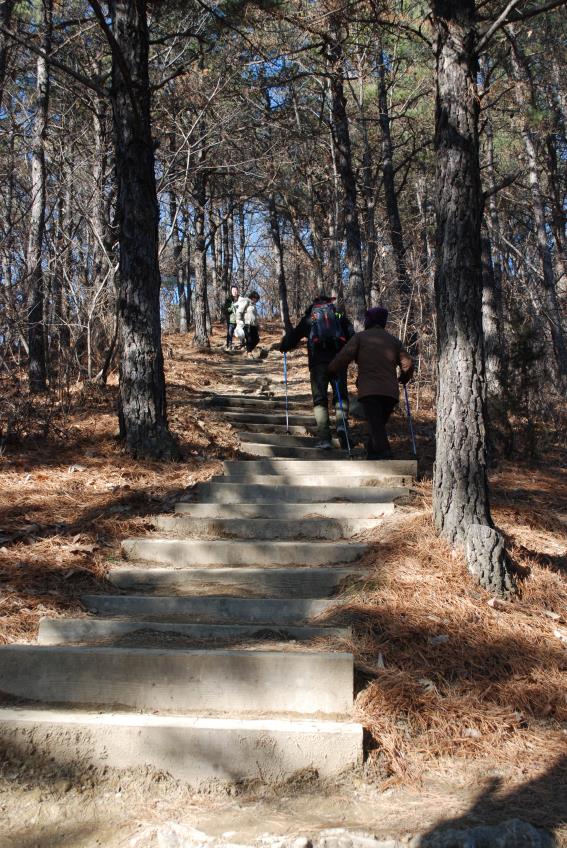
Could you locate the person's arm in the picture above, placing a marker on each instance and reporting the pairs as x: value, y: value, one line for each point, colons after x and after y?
x: 294, y: 336
x: 406, y: 365
x: 348, y: 354
x: 348, y: 329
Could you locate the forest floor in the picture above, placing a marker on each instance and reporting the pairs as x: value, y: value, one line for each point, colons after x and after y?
x: 464, y: 699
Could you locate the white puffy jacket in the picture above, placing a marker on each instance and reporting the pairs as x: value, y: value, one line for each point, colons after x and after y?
x: 246, y: 312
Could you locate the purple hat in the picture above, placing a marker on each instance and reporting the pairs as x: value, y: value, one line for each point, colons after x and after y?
x: 375, y: 317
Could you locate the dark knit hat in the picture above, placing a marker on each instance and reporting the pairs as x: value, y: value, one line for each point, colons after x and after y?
x: 375, y: 317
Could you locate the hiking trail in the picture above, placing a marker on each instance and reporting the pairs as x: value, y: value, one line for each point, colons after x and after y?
x: 219, y: 653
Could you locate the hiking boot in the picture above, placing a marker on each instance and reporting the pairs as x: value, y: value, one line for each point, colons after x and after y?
x: 324, y: 444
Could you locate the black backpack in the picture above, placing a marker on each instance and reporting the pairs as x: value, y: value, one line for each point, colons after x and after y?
x: 326, y: 331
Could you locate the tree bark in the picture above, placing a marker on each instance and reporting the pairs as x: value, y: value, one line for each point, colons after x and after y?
x: 391, y: 197
x: 6, y: 8
x: 548, y: 290
x: 37, y: 365
x: 460, y: 489
x: 242, y: 249
x: 492, y: 324
x: 343, y: 152
x: 201, y: 337
x: 488, y: 561
x: 143, y: 416
x: 279, y: 262
x: 178, y: 263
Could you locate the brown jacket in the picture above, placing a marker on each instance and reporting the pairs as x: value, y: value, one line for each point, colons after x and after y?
x: 377, y: 354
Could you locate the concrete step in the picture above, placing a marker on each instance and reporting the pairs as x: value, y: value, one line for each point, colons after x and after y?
x: 281, y: 440
x: 326, y: 529
x: 215, y: 681
x: 261, y: 401
x: 297, y: 511
x: 180, y: 552
x: 348, y: 481
x: 294, y: 429
x: 234, y: 493
x: 275, y: 582
x: 269, y: 418
x: 249, y: 449
x: 218, y: 610
x: 198, y: 750
x: 358, y: 467
x: 58, y: 631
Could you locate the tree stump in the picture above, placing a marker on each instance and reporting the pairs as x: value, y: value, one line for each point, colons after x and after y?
x: 488, y: 561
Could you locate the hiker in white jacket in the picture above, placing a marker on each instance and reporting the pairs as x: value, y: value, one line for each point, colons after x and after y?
x: 247, y: 319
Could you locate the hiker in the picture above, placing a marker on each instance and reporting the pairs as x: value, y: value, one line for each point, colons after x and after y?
x: 378, y: 354
x: 247, y: 319
x: 230, y: 313
x: 327, y: 329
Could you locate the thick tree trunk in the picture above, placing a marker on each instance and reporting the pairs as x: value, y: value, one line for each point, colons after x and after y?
x: 391, y: 197
x: 143, y: 415
x: 460, y: 490
x: 36, y: 331
x: 279, y: 262
x: 6, y: 8
x: 342, y: 145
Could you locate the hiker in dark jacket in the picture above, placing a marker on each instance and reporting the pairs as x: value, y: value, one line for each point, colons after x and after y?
x: 378, y: 355
x: 230, y: 314
x: 327, y: 329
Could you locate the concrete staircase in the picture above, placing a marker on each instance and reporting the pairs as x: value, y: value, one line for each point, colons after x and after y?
x: 218, y: 653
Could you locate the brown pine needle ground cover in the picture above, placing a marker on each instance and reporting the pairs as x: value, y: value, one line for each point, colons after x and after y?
x: 446, y: 679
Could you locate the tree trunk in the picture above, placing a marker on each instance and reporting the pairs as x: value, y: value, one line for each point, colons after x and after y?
x: 6, y: 8
x: 492, y: 324
x: 242, y: 250
x: 460, y: 488
x: 548, y: 290
x: 36, y: 335
x: 178, y: 263
x: 143, y: 416
x: 492, y: 313
x: 279, y: 261
x: 341, y: 141
x: 391, y: 197
x: 201, y: 337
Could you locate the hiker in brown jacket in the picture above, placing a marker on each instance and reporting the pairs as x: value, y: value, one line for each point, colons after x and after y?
x: 378, y: 354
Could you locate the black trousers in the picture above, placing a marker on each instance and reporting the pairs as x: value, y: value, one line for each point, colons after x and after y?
x: 252, y: 337
x: 377, y: 409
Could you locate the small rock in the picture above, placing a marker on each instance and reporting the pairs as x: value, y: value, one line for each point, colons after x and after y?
x: 472, y: 733
x: 302, y: 842
x: 554, y: 616
x: 439, y: 640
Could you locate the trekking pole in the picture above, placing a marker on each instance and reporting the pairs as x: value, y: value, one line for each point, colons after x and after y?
x: 286, y: 401
x: 344, y: 418
x: 408, y: 413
